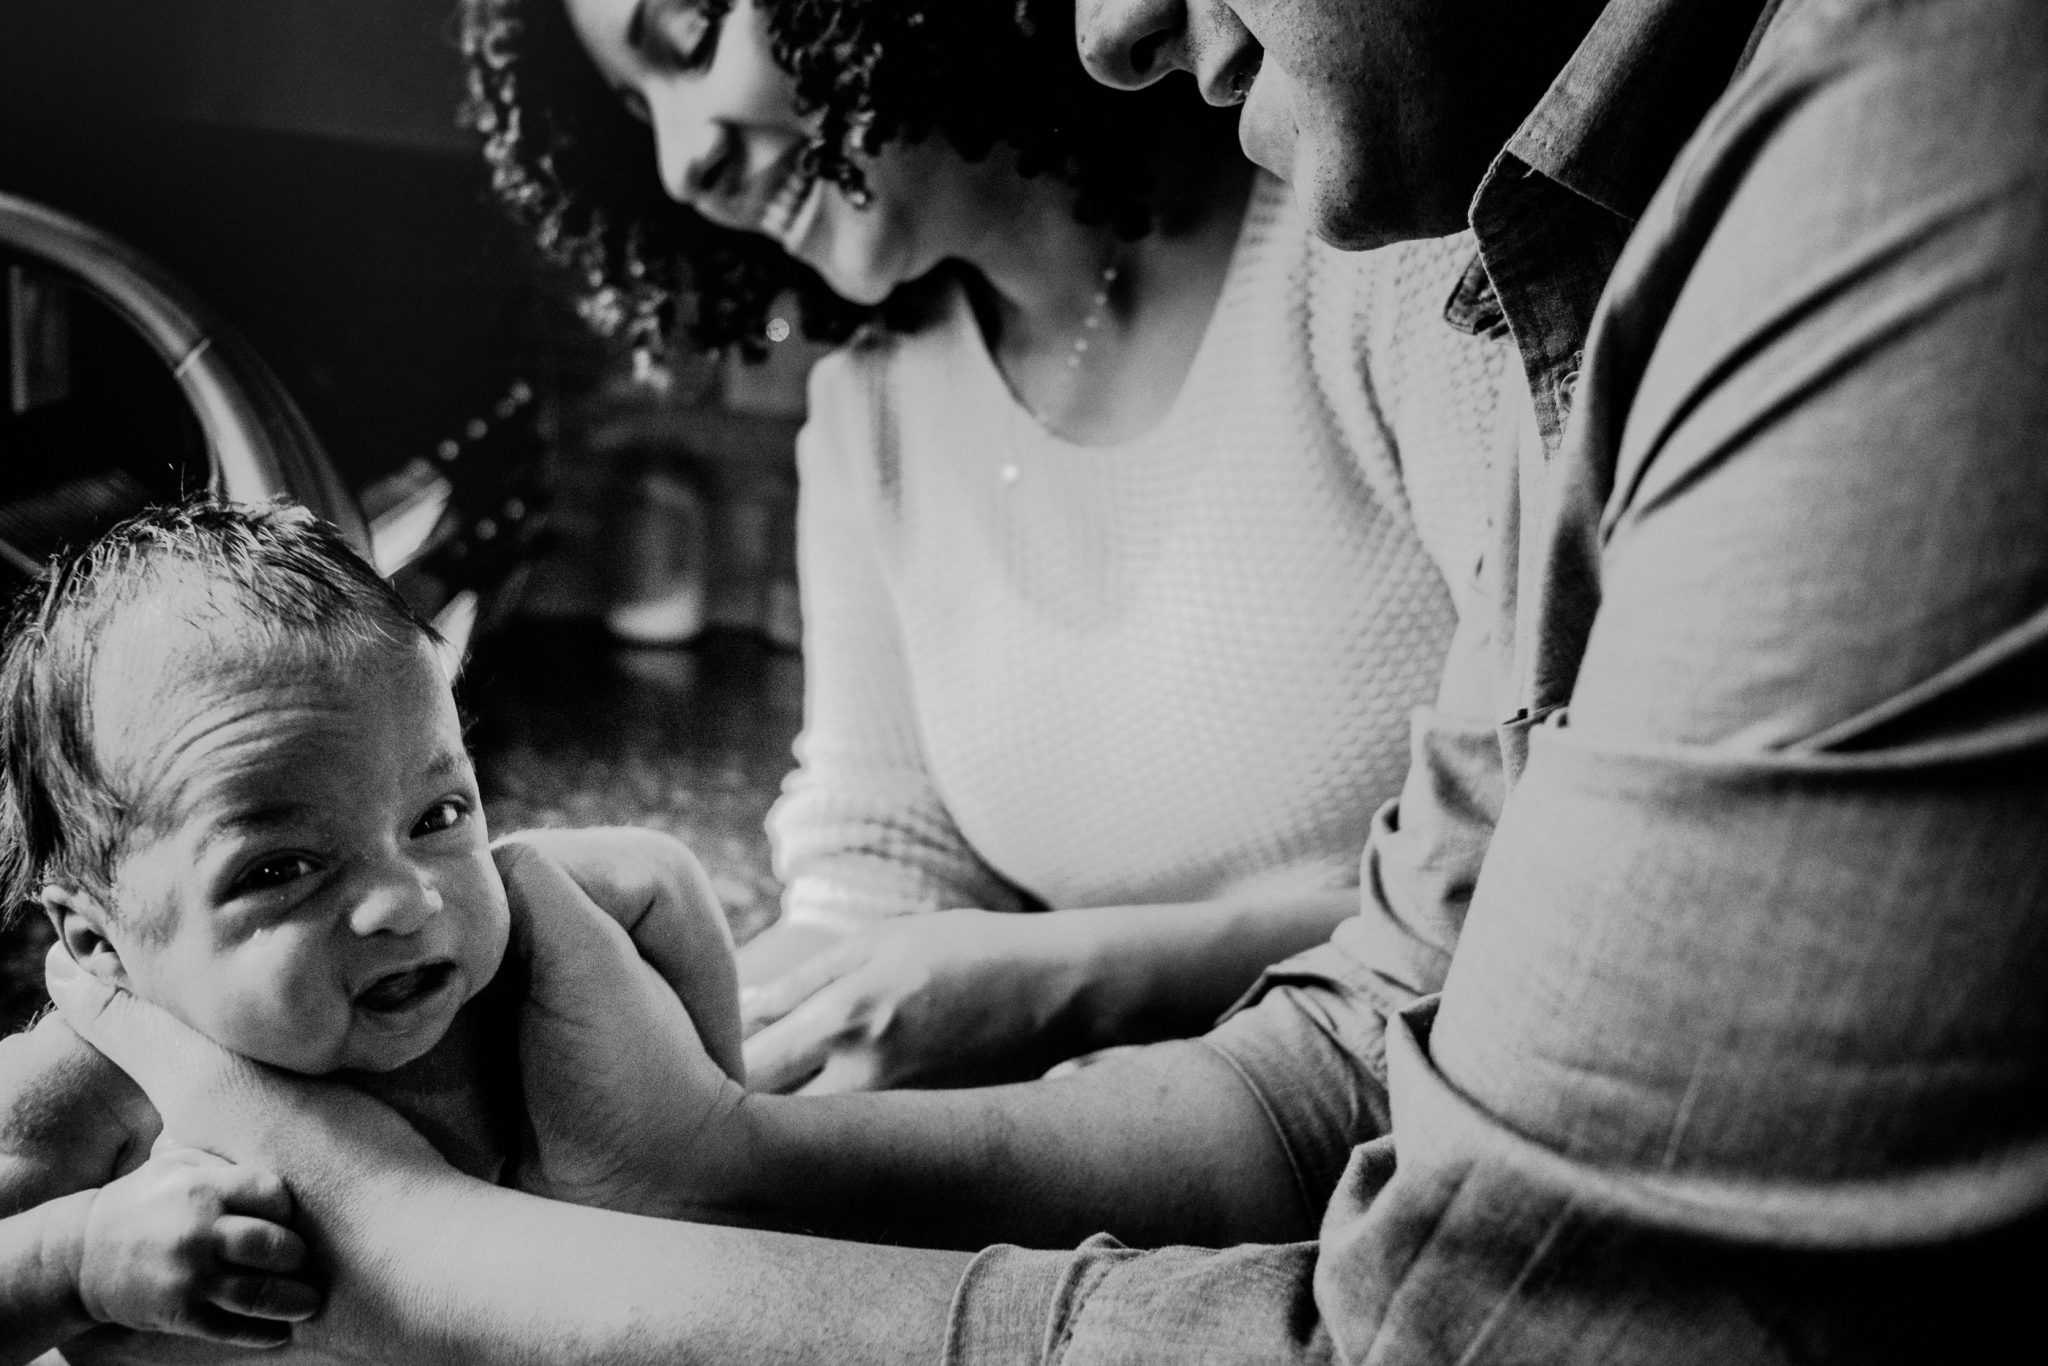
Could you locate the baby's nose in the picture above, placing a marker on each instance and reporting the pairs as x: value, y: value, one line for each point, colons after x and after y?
x: 398, y: 904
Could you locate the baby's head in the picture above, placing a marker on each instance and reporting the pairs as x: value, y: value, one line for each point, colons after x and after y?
x: 235, y: 778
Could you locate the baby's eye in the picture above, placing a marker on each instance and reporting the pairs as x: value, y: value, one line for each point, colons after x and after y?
x: 277, y: 870
x: 445, y: 814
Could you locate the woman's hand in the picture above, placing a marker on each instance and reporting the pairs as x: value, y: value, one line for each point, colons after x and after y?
x: 626, y: 1108
x: 934, y: 998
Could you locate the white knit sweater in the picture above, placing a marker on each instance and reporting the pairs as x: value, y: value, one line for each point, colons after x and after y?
x: 1167, y: 670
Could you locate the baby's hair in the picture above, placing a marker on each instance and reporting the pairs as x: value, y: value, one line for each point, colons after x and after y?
x: 268, y: 578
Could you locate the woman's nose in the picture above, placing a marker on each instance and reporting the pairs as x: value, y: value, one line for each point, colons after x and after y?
x: 400, y: 901
x: 1131, y: 43
x: 688, y: 147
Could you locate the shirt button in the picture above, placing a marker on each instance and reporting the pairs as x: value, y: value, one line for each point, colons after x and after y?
x: 1567, y: 390
x: 1566, y: 387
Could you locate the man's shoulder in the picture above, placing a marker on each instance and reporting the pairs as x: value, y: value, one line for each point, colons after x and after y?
x: 68, y: 1117
x: 1835, y: 36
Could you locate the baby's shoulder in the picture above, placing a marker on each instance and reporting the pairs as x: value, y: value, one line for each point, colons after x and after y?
x: 69, y: 1119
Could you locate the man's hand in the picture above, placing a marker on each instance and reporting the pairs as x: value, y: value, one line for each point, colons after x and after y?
x: 192, y: 1244
x: 931, y: 998
x: 653, y: 886
x: 626, y: 1107
x: 360, y: 1177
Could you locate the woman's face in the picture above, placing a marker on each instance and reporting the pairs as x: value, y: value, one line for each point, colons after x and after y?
x: 729, y: 143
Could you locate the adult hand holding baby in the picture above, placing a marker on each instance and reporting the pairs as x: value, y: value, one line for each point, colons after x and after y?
x: 629, y: 1039
x: 350, y: 1163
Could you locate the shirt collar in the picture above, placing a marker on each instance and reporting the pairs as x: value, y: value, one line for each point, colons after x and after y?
x: 1647, y: 72
x: 1552, y: 213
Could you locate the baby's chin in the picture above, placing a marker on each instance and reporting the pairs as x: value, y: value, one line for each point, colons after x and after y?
x: 390, y: 1055
x: 378, y: 1044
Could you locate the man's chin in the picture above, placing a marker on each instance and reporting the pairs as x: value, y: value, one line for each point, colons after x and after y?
x: 1346, y: 219
x: 1357, y: 212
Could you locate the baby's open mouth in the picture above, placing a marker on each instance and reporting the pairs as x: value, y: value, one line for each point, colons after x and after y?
x: 402, y: 989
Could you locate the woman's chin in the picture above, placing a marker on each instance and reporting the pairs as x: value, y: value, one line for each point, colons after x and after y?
x: 864, y: 287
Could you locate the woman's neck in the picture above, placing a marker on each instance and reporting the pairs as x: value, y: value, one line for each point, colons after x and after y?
x: 1095, y: 335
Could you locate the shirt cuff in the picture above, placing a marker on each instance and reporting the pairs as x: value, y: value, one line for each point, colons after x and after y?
x: 1106, y: 1303
x: 1307, y: 1049
x: 1012, y: 1303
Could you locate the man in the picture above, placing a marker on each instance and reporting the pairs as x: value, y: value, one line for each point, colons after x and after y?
x: 1741, y: 1054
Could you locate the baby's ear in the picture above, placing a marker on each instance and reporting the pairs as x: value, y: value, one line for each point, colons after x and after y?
x: 81, y: 925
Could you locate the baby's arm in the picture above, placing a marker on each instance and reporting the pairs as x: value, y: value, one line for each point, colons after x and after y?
x: 188, y: 1243
x: 99, y: 1230
x: 653, y: 886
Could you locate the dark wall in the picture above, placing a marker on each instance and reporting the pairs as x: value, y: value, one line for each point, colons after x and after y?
x: 298, y: 164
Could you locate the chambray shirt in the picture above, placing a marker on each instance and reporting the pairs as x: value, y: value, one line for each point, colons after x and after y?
x: 1734, y: 806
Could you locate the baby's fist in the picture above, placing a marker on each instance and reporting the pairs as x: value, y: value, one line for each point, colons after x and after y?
x: 192, y: 1244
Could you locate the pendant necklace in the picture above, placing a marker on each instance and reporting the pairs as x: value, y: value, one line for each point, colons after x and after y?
x: 1091, y: 323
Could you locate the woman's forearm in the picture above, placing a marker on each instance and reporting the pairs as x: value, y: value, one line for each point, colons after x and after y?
x: 1161, y: 972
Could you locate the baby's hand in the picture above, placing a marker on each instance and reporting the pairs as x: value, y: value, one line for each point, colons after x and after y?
x: 192, y: 1244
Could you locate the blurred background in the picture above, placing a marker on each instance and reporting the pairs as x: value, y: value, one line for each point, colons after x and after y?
x: 612, y: 542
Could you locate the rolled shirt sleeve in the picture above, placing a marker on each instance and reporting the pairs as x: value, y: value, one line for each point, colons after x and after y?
x: 1106, y: 1303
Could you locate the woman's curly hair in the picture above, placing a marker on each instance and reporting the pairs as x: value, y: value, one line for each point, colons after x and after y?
x: 579, y: 170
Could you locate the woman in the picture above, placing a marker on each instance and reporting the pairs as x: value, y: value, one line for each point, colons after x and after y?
x: 1116, y: 593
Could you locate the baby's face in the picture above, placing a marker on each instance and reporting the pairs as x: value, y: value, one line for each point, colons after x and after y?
x: 316, y: 888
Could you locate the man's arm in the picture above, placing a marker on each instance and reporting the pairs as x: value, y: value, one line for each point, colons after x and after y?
x: 39, y: 1304
x: 632, y: 1114
x: 69, y: 1119
x: 437, y: 1268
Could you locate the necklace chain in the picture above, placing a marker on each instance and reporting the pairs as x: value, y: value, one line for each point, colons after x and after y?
x: 1098, y: 309
x: 1091, y: 323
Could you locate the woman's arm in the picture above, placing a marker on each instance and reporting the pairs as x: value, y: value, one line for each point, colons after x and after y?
x: 1161, y: 972
x: 969, y: 995
x: 861, y: 831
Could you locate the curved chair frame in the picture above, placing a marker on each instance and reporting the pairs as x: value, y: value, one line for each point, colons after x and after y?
x: 259, y: 442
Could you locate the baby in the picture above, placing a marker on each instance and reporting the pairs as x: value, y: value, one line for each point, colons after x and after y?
x: 232, y: 773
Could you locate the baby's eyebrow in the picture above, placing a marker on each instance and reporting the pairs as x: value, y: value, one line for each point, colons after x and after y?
x: 252, y: 820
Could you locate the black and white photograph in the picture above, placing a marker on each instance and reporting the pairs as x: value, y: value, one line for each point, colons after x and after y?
x: 1023, y: 682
